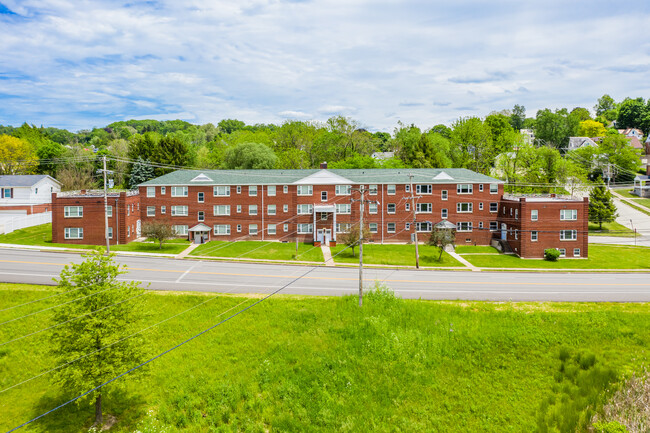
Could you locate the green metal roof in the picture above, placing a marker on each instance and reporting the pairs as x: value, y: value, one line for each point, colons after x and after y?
x: 355, y: 176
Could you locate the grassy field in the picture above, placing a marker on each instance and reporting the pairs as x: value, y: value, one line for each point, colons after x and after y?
x: 610, y: 229
x: 42, y: 236
x: 471, y: 249
x: 600, y: 257
x: 260, y: 250
x: 389, y: 254
x: 322, y: 364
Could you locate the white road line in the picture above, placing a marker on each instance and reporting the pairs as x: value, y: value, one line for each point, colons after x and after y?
x: 178, y: 280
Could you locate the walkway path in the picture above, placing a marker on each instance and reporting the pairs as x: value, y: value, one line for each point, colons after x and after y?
x: 327, y: 255
x: 187, y: 250
x: 463, y: 261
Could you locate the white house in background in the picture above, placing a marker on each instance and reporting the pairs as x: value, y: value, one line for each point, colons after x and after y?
x: 631, y: 132
x: 382, y: 156
x: 27, y: 194
x: 578, y: 142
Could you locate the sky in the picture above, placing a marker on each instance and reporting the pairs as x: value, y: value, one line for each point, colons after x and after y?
x: 83, y: 64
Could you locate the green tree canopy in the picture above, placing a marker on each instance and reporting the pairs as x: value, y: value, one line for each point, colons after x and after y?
x: 249, y: 156
x: 601, y: 205
x: 16, y: 156
x: 591, y: 128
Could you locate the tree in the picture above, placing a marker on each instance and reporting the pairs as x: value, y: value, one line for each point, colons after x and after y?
x: 247, y: 156
x: 441, y: 237
x: 581, y: 113
x: 554, y: 128
x: 518, y: 117
x: 228, y: 126
x: 591, y: 128
x: 474, y: 147
x: 351, y: 237
x: 157, y: 231
x: 96, y: 311
x: 605, y: 103
x: 172, y: 151
x: 141, y: 172
x: 601, y: 205
x: 631, y: 113
x: 16, y: 156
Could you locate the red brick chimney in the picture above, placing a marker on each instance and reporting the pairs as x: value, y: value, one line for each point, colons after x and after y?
x: 323, y: 165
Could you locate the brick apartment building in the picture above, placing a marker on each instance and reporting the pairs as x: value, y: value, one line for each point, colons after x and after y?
x: 316, y: 205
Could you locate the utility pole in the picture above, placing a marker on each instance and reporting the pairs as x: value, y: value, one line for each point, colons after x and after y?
x: 415, y: 229
x: 104, y: 171
x: 362, y: 202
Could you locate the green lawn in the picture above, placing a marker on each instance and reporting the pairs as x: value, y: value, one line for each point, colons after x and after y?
x: 322, y: 364
x: 390, y: 254
x: 600, y: 257
x: 42, y: 236
x: 471, y: 249
x: 610, y: 229
x: 260, y: 250
x: 625, y: 192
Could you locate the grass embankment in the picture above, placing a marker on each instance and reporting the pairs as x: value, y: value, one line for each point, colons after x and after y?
x: 389, y: 254
x: 324, y: 364
x: 634, y: 201
x: 600, y: 257
x: 610, y: 229
x: 41, y: 235
x: 260, y: 250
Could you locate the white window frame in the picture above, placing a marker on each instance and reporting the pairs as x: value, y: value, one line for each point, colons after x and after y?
x: 285, y: 208
x: 200, y: 197
x: 200, y: 215
x: 390, y: 227
x: 285, y: 228
x: 423, y: 227
x: 271, y: 209
x: 465, y: 188
x: 163, y: 210
x: 221, y: 229
x: 480, y: 205
x: 252, y: 190
x: 110, y: 232
x: 464, y: 226
x: 109, y: 211
x: 68, y: 211
x: 305, y: 190
x: 221, y: 191
x: 285, y: 189
x: 304, y: 229
x: 252, y: 209
x: 494, y: 207
x: 373, y: 227
x: 534, y: 215
x: 464, y: 207
x: 271, y: 229
x: 372, y: 208
x: 252, y: 229
x: 573, y: 214
x: 79, y: 233
x: 576, y: 252
x: 343, y: 189
x: 534, y: 236
x: 151, y: 211
x: 494, y: 226
x: 221, y: 210
x: 238, y: 208
x: 573, y: 235
x: 494, y: 188
x: 151, y: 191
x: 424, y: 189
x: 323, y: 196
x: 343, y: 208
x: 180, y: 229
x: 343, y: 227
x: 183, y: 211
x: 390, y: 206
x: 444, y: 194
x: 444, y: 213
x: 163, y: 190
x: 179, y: 191
x: 391, y: 189
x: 301, y: 207
x: 562, y: 252
x: 271, y: 190
x: 423, y: 207
x: 372, y: 189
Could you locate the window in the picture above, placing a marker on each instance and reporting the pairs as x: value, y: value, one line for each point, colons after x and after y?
x: 444, y: 194
x: 151, y: 211
x: 285, y: 189
x: 342, y: 227
x: 162, y: 190
x: 200, y: 197
x: 504, y: 210
x: 390, y: 208
x: 568, y: 235
x: 494, y: 207
x: 494, y: 226
x: 238, y: 228
x: 221, y: 191
x: 270, y: 190
x: 238, y: 208
x: 179, y: 191
x: 568, y: 214
x: 180, y: 230
x: 110, y: 232
x: 390, y: 227
x: 534, y: 215
x: 74, y: 233
x: 407, y: 207
x: 444, y: 213
x: 109, y: 211
x: 480, y: 206
x: 480, y: 224
x: 576, y: 252
x: 464, y: 188
x: 423, y: 189
x: 252, y: 190
x: 252, y: 209
x: 343, y: 189
x: 516, y: 214
x: 494, y: 188
x: 345, y: 208
x: 423, y: 207
x: 465, y: 226
x: 407, y: 226
x: 128, y: 210
x: 238, y: 189
x: 423, y: 226
x: 533, y: 236
x: 323, y: 196
x: 252, y: 229
x: 270, y: 209
x: 163, y: 209
x: 285, y: 208
x: 305, y: 189
x: 407, y: 188
x: 480, y: 187
x: 464, y: 207
x: 201, y: 216
x: 286, y: 228
x: 562, y: 252
x: 221, y: 229
x: 305, y: 209
x: 372, y: 227
x: 270, y: 229
x: 372, y: 207
x: 73, y: 211
x: 8, y: 192
x: 305, y: 228
x: 128, y: 231
x: 221, y: 209
x: 516, y: 234
x: 372, y: 189
x: 390, y: 189
x: 151, y: 191
x: 179, y: 211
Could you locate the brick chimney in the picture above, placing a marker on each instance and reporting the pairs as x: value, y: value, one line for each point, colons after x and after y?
x: 83, y: 192
x: 323, y: 165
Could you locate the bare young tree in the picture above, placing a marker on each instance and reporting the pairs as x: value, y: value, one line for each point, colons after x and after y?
x: 158, y: 231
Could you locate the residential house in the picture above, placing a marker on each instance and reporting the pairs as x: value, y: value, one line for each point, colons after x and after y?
x: 27, y: 194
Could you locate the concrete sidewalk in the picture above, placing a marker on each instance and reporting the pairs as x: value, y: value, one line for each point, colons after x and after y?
x: 463, y: 261
x: 187, y: 250
x: 327, y: 255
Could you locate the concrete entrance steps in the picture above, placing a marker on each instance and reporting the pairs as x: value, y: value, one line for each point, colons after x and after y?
x: 187, y: 250
x: 327, y: 255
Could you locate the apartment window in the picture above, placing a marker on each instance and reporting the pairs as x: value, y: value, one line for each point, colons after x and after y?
x: 221, y: 229
x: 238, y: 189
x: 285, y: 189
x: 323, y: 196
x: 423, y: 189
x: 305, y: 228
x: 74, y: 233
x: 221, y: 209
x: 128, y: 210
x: 163, y: 209
x: 494, y: 226
x: 423, y: 207
x: 162, y: 190
x: 562, y: 252
x: 390, y: 189
x: 533, y: 236
x: 372, y: 189
x: 504, y: 210
x: 179, y: 211
x: 151, y: 211
x: 372, y: 227
x: 109, y: 211
x: 480, y: 224
x: 568, y: 235
x: 252, y: 209
x: 390, y: 208
x: 270, y: 209
x: 286, y: 228
x: 270, y: 190
x: 151, y: 191
x: 407, y: 188
x: 407, y: 207
x: 480, y: 206
x: 305, y: 189
x: 516, y: 214
x: 285, y: 208
x: 73, y: 211
x: 576, y: 252
x: 390, y: 227
x: 343, y: 189
x: 343, y: 227
x: 534, y: 215
x: 407, y: 226
x: 516, y: 234
x: 423, y: 226
x: 464, y: 226
x: 444, y: 194
x: 480, y: 187
x: 494, y: 207
x: 221, y: 191
x: 110, y: 232
x: 200, y: 197
x: 444, y: 213
x: 270, y: 229
x: 464, y: 188
x: 510, y: 211
x: 252, y: 229
x: 180, y: 230
x: 494, y: 188
x: 7, y: 192
x: 345, y: 208
x: 128, y: 231
x: 464, y: 207
x: 252, y: 190
x: 568, y: 214
x: 201, y: 216
x: 305, y: 209
x: 179, y: 191
x: 238, y: 228
x: 238, y: 208
x: 372, y: 207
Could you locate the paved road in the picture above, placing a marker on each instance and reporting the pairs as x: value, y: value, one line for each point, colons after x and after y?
x: 22, y: 266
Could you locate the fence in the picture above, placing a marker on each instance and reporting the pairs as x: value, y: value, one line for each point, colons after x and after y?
x: 9, y: 224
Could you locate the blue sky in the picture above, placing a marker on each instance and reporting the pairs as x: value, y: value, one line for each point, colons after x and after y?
x: 85, y: 64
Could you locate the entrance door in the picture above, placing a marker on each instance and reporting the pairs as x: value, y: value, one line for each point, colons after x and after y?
x: 504, y: 231
x: 327, y: 236
x: 319, y: 235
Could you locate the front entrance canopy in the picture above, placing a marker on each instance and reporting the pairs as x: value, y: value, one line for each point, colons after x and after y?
x: 325, y: 208
x: 445, y: 224
x: 200, y: 227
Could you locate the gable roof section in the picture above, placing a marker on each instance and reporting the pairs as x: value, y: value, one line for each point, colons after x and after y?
x: 25, y: 180
x: 323, y: 177
x: 202, y: 178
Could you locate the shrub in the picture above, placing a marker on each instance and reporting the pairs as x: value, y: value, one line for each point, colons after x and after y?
x: 552, y: 254
x: 609, y: 427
